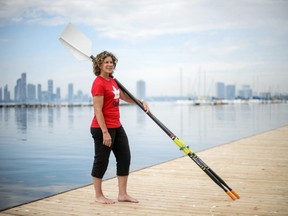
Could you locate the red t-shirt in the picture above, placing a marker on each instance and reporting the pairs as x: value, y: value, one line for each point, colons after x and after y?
x: 109, y: 89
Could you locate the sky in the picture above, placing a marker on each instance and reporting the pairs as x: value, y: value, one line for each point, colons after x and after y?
x: 178, y: 47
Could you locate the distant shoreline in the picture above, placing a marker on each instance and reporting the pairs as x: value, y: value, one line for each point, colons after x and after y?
x: 179, y: 102
x: 11, y: 105
x: 41, y: 105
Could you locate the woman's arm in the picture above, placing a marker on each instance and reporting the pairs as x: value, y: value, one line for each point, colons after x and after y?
x: 126, y: 98
x: 98, y: 106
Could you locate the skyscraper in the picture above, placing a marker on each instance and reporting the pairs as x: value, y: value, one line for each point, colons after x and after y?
x: 39, y: 92
x: 70, y: 92
x: 6, y: 94
x: 220, y: 90
x: 31, y: 93
x: 20, y: 90
x: 245, y: 92
x: 141, y: 89
x: 17, y: 91
x: 23, y: 87
x: 50, y: 91
x: 230, y: 92
x: 58, y: 94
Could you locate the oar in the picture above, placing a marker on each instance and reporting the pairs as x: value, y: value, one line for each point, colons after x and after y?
x: 180, y: 143
x: 81, y: 47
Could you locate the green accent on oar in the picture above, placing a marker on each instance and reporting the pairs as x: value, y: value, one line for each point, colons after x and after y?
x: 180, y: 143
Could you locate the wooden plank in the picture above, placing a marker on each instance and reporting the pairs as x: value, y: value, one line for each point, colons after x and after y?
x: 256, y: 167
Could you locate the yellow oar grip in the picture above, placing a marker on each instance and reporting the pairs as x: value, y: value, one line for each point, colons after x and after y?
x: 180, y: 143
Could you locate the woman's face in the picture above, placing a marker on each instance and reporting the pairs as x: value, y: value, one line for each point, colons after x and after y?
x: 107, y: 66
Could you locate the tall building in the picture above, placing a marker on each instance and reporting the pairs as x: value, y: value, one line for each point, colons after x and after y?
x: 141, y: 89
x: 1, y: 95
x: 20, y: 90
x: 17, y: 91
x: 58, y: 94
x: 39, y: 92
x: 70, y: 92
x: 220, y: 90
x: 230, y: 92
x: 23, y: 87
x: 50, y: 91
x: 245, y: 92
x: 31, y: 93
x: 6, y: 94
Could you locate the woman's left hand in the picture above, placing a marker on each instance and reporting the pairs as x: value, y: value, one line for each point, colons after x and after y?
x: 145, y: 106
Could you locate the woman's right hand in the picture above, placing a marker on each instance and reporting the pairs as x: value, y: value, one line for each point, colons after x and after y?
x: 107, y: 140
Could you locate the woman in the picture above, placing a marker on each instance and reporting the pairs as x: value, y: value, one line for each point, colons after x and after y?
x: 106, y: 128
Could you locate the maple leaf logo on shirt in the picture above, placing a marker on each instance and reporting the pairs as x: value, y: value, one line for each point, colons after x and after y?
x: 116, y: 93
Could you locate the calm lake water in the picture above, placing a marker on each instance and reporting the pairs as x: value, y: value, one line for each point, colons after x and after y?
x: 44, y: 151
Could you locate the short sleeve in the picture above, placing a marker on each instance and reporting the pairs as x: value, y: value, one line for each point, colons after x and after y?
x: 97, y: 88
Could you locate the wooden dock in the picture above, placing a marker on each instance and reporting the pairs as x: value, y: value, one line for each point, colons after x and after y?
x: 256, y: 167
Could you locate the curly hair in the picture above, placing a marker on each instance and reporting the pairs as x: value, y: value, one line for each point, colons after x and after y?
x: 100, y: 59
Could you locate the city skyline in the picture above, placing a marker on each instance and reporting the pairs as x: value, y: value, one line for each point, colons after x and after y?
x: 239, y: 43
x: 25, y: 92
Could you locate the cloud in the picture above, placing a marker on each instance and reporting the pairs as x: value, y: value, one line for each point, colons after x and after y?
x: 163, y: 36
x: 129, y: 19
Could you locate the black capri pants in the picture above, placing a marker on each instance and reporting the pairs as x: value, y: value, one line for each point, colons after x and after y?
x: 120, y: 148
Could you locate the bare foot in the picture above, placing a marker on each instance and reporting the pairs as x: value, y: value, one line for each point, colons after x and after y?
x: 127, y: 198
x: 104, y: 200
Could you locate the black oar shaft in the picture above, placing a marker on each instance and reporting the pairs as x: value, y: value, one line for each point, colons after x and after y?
x: 192, y: 155
x: 220, y: 182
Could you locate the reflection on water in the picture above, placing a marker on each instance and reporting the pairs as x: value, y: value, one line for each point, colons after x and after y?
x: 42, y: 152
x: 141, y: 118
x: 50, y: 117
x: 36, y: 116
x: 70, y: 115
x: 47, y: 150
x: 21, y: 119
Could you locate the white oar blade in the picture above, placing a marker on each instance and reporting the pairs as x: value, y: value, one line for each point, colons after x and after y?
x: 76, y: 42
x: 79, y: 55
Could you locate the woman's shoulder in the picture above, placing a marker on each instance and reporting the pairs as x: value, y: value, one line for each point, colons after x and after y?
x: 96, y: 82
x: 98, y: 79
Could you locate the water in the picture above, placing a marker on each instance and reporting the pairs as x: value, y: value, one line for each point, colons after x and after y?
x: 44, y: 151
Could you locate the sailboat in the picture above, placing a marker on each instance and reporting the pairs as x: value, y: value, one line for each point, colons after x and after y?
x: 200, y: 100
